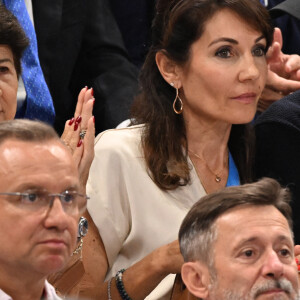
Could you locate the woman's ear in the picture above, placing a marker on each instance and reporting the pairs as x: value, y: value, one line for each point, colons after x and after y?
x: 167, y: 68
x: 196, y: 277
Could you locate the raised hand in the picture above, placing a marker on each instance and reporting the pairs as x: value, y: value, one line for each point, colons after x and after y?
x: 79, y: 133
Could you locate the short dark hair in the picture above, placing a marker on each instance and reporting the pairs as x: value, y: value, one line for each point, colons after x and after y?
x: 12, y: 35
x: 27, y: 131
x: 197, y: 231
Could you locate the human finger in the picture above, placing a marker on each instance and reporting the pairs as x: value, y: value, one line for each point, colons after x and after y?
x: 87, y: 108
x: 88, y: 151
x: 280, y: 84
x: 70, y: 136
x: 292, y: 63
x: 277, y: 36
x: 297, y: 250
x: 78, y: 153
x: 80, y: 101
x: 274, y: 54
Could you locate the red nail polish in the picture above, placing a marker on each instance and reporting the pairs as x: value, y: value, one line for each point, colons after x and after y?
x: 298, y: 267
x: 92, y: 92
x: 78, y: 120
x: 71, y: 121
x: 79, y: 143
x: 75, y: 126
x: 297, y: 261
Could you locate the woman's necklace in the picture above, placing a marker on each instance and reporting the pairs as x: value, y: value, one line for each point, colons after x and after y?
x: 217, y: 175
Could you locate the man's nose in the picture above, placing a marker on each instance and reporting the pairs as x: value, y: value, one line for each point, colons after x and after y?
x: 56, y: 216
x: 272, y: 266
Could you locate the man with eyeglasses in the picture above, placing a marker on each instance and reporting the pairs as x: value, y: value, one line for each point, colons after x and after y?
x: 40, y: 204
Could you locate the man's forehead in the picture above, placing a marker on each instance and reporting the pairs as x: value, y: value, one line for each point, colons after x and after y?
x: 245, y: 222
x: 16, y: 149
x: 19, y: 157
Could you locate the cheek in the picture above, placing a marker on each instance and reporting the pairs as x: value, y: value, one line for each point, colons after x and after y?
x: 73, y: 229
x: 10, y: 99
x: 293, y: 276
x: 199, y: 82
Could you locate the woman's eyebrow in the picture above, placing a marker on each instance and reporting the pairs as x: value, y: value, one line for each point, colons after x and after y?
x: 232, y: 41
x: 223, y: 39
x: 5, y: 60
x: 259, y: 38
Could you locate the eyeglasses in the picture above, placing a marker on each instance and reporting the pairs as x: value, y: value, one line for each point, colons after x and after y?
x: 71, y: 201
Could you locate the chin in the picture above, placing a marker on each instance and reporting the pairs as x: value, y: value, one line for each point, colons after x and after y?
x: 243, y: 118
x: 53, y: 264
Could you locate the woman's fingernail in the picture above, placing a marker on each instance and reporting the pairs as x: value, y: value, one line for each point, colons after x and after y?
x: 75, y: 126
x: 78, y: 119
x: 92, y: 92
x: 79, y: 143
x: 71, y: 121
x: 94, y: 119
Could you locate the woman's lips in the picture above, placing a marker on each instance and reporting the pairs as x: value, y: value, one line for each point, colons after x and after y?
x: 246, y: 98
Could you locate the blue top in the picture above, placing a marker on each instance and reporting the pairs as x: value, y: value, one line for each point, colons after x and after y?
x: 233, y: 174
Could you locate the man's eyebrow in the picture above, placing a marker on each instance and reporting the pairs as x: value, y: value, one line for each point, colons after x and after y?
x: 245, y: 241
x: 73, y: 187
x: 232, y: 41
x: 280, y: 238
x: 283, y: 238
x: 29, y: 186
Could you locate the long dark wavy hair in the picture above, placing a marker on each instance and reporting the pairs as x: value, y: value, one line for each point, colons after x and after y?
x: 176, y: 26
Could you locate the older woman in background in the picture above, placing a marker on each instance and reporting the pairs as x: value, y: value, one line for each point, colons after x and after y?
x: 200, y: 84
x: 13, y: 42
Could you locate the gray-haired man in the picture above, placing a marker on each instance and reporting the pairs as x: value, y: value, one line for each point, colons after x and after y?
x: 238, y: 245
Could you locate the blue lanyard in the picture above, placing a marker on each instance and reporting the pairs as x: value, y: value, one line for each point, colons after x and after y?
x: 233, y: 174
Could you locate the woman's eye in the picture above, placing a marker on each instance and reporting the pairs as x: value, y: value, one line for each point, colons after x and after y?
x: 224, y: 53
x: 259, y: 51
x: 3, y: 69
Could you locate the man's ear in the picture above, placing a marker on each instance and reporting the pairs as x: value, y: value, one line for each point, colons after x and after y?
x: 168, y: 68
x: 196, y: 277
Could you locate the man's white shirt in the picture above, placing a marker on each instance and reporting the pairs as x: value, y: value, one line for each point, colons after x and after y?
x: 50, y: 293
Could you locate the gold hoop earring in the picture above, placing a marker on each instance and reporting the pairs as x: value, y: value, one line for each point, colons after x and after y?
x: 175, y: 104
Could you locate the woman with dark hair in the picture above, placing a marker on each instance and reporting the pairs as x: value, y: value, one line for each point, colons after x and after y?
x: 13, y: 42
x: 200, y: 85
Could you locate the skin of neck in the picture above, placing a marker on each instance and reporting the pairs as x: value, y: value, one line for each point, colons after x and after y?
x: 22, y: 285
x: 208, y: 140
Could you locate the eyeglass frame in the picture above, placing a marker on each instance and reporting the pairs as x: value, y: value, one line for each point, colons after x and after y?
x: 51, y: 197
